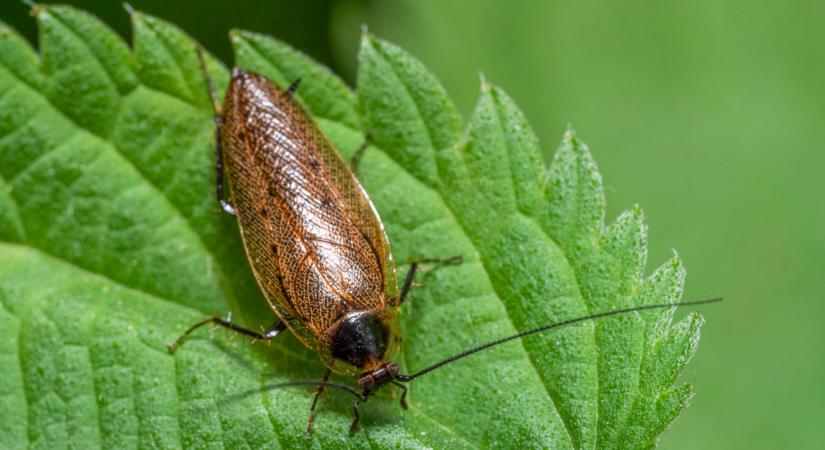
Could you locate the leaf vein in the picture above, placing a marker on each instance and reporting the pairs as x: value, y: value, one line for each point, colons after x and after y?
x: 95, y: 388
x: 272, y: 423
x: 421, y: 413
x: 24, y: 385
x: 178, y: 69
x: 104, y: 68
x: 15, y: 210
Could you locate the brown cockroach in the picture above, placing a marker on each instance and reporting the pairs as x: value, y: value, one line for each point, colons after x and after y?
x: 315, y: 243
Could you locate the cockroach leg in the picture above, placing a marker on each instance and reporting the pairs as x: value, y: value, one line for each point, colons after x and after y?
x: 224, y: 204
x: 355, y: 417
x: 274, y: 329
x: 292, y: 88
x: 403, y: 394
x: 216, y: 114
x: 270, y: 333
x: 356, y: 157
x: 213, y: 95
x: 408, y: 280
x: 315, y: 396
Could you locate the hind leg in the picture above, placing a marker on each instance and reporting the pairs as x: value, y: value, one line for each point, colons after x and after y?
x: 267, y: 335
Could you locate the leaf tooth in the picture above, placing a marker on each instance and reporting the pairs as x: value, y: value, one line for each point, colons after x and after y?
x: 502, y: 155
x: 77, y: 82
x: 664, y: 285
x: 485, y: 154
x: 404, y: 107
x: 650, y: 424
x: 670, y: 355
x: 166, y: 59
x: 657, y: 371
x: 107, y: 47
x: 18, y: 57
x: 526, y: 166
x: 484, y: 85
x: 679, y: 345
x: 575, y: 194
x: 626, y: 241
x: 668, y: 407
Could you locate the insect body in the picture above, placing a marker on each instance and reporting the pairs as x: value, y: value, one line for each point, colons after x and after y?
x: 313, y: 239
x: 315, y: 242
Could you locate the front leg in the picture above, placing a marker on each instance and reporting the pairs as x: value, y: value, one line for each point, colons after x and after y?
x: 218, y: 117
x: 408, y: 280
x: 355, y: 417
x: 356, y: 157
x: 315, y: 396
x: 403, y: 401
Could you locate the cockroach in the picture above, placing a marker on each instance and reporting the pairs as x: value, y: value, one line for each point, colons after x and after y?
x: 315, y: 242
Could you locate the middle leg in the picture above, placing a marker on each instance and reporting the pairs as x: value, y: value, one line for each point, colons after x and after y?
x: 267, y: 335
x: 315, y: 396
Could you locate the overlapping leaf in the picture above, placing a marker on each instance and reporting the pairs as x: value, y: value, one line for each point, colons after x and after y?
x: 111, y: 245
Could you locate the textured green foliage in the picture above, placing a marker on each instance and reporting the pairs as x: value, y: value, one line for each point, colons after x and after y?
x: 111, y: 246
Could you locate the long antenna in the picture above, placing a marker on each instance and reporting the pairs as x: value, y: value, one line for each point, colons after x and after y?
x: 272, y: 386
x: 466, y: 353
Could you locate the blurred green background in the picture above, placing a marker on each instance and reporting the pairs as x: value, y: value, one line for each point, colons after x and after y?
x: 710, y: 114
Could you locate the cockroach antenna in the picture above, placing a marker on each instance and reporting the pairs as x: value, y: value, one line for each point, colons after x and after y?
x: 294, y: 383
x: 549, y: 326
x: 398, y: 379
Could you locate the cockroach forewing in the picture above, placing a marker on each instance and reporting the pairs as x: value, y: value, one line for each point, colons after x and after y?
x: 293, y: 194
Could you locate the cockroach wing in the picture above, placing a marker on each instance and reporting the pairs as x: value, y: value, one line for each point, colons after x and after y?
x: 314, y: 241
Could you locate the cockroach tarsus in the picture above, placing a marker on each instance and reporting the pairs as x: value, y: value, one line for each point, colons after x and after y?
x: 315, y: 243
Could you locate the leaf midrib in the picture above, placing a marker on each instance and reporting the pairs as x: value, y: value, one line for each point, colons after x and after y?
x: 18, y: 220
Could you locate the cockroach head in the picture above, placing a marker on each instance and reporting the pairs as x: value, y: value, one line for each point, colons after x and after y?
x: 374, y: 379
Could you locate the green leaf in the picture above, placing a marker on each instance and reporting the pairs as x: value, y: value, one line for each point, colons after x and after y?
x: 112, y: 245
